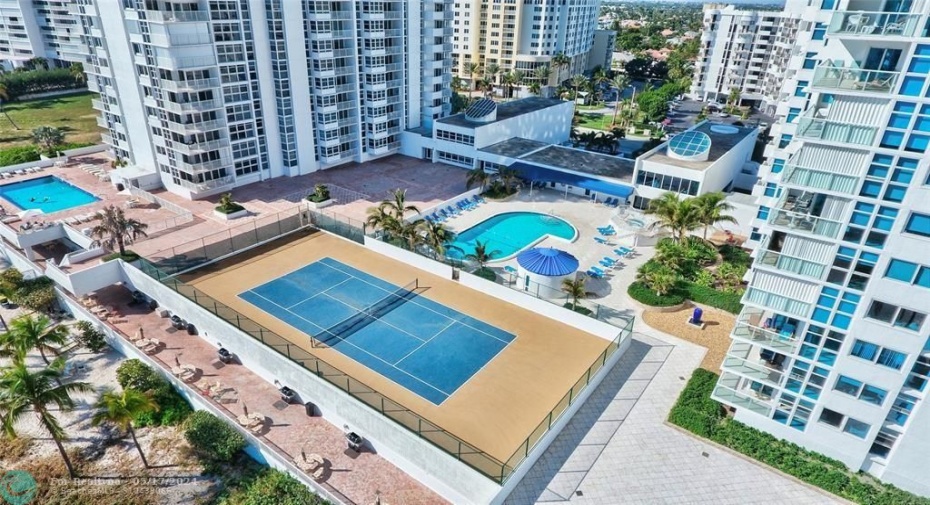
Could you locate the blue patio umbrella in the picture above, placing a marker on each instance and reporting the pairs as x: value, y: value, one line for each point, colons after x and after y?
x: 548, y: 261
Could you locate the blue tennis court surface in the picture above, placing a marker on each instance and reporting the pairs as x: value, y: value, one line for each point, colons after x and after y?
x: 422, y: 345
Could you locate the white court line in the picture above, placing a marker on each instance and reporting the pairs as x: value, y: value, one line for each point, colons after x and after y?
x: 424, y: 343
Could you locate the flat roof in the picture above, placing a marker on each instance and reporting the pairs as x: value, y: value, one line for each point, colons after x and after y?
x: 514, y: 148
x: 720, y: 144
x: 584, y: 162
x: 505, y: 110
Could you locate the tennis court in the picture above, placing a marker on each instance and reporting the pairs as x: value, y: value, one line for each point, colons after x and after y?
x: 424, y: 346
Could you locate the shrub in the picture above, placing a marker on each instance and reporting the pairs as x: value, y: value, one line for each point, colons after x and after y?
x: 486, y: 273
x: 17, y: 155
x: 129, y: 257
x: 39, y: 81
x: 173, y: 408
x: 320, y: 193
x: 227, y: 205
x: 645, y: 295
x: 578, y: 308
x: 35, y: 294
x: 729, y: 302
x: 90, y: 337
x: 271, y: 487
x: 735, y: 255
x: 212, y: 438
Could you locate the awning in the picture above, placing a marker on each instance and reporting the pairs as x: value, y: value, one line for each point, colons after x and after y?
x: 536, y: 173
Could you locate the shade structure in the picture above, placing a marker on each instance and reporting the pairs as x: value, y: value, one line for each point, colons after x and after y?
x: 548, y: 261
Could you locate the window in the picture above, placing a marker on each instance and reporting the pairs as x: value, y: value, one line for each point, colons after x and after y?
x: 820, y: 30
x: 455, y: 137
x: 918, y: 224
x: 667, y: 183
x: 897, y: 316
x: 801, y: 88
x: 856, y: 428
x: 784, y: 141
x: 901, y: 409
x: 884, y: 441
x: 858, y: 389
x: 920, y: 372
x: 810, y: 61
x: 831, y: 417
x: 876, y: 354
x: 847, y: 385
x: 763, y: 212
x: 793, y: 114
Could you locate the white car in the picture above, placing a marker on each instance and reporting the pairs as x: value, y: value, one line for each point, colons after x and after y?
x: 722, y: 114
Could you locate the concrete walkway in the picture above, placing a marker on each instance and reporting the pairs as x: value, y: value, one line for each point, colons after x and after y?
x: 617, y: 449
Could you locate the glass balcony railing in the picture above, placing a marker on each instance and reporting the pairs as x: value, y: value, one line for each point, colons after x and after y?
x: 805, y: 222
x: 873, y: 24
x: 810, y: 127
x: 760, y: 372
x: 819, y: 179
x: 752, y: 400
x: 852, y: 78
x: 791, y: 264
x: 764, y: 328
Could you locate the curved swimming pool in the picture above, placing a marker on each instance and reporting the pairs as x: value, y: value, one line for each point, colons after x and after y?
x: 509, y: 233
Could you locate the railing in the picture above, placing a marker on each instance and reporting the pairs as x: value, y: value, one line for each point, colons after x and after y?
x: 738, y: 399
x: 791, y: 264
x: 171, y: 16
x: 853, y: 78
x: 757, y: 372
x: 805, y: 222
x: 881, y: 24
x: 767, y: 337
x: 819, y: 179
x: 179, y: 260
x: 183, y: 216
x: 823, y: 129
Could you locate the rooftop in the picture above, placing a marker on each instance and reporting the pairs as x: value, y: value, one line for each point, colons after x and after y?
x: 586, y: 162
x: 506, y: 110
x: 514, y: 148
x: 720, y: 144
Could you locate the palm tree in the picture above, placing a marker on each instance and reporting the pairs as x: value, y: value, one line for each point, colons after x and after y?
x: 22, y: 391
x: 519, y: 77
x: 508, y: 80
x: 661, y: 279
x: 436, y: 237
x: 114, y: 228
x: 542, y: 74
x: 48, y: 137
x: 381, y: 217
x: 481, y: 256
x: 77, y: 72
x: 560, y: 62
x: 471, y: 70
x: 620, y: 83
x: 599, y: 77
x: 476, y: 177
x: 575, y: 288
x: 121, y: 408
x: 578, y: 81
x: 712, y: 208
x: 28, y: 332
x: 679, y: 216
x: 410, y: 234
x: 398, y: 206
x: 508, y: 177
x: 491, y: 71
x: 535, y: 88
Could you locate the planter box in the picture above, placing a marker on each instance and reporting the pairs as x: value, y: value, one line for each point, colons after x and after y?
x: 319, y: 205
x: 231, y: 215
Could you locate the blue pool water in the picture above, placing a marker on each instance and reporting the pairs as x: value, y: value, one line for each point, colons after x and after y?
x: 48, y: 194
x: 509, y: 233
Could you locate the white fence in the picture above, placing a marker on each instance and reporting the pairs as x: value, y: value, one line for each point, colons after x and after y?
x: 183, y: 216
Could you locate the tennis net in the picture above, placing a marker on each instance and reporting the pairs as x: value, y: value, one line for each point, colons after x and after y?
x: 368, y: 314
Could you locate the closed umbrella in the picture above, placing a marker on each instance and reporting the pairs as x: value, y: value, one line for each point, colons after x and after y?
x: 177, y: 362
x: 245, y: 408
x: 139, y: 334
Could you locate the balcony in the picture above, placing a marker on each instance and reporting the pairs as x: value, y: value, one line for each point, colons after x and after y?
x: 207, y: 185
x: 861, y: 24
x: 768, y: 329
x: 790, y: 264
x: 802, y: 211
x: 763, y: 366
x: 192, y: 85
x: 816, y: 178
x: 831, y: 77
x: 167, y: 16
x: 815, y: 125
x: 743, y: 394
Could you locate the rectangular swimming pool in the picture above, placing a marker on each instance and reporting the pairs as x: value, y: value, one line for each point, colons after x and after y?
x: 422, y: 345
x: 48, y: 194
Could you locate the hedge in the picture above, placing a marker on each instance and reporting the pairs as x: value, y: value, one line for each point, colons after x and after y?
x: 39, y: 81
x: 172, y: 407
x: 17, y: 155
x: 270, y: 487
x: 639, y: 292
x: 723, y: 300
x: 696, y: 412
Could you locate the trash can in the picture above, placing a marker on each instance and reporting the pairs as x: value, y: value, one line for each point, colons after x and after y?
x: 354, y: 441
x: 311, y: 409
x: 191, y: 329
x: 288, y: 395
x: 224, y: 355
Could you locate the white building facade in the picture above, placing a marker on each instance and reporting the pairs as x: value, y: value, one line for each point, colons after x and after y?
x: 216, y: 94
x: 832, y: 349
x: 523, y: 36
x: 38, y: 29
x: 747, y: 50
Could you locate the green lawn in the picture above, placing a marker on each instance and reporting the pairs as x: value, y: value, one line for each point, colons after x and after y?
x: 596, y: 106
x: 71, y: 113
x: 595, y: 121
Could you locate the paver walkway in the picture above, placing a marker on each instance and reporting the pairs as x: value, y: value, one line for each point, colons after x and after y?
x: 617, y: 450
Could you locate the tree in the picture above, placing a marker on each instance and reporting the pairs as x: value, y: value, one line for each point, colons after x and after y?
x: 491, y: 71
x: 476, y: 177
x: 712, y: 208
x: 653, y: 105
x: 560, y: 61
x: 471, y: 70
x: 398, y: 206
x: 543, y: 74
x: 679, y: 216
x: 115, y: 229
x: 578, y: 81
x: 660, y: 279
x: 508, y: 176
x: 4, y: 94
x: 120, y: 409
x: 436, y: 237
x: 535, y: 88
x: 77, y: 71
x: 734, y: 98
x: 48, y: 137
x: 22, y: 391
x: 481, y: 256
x: 575, y: 288
x: 620, y: 82
x: 381, y: 217
x: 28, y: 332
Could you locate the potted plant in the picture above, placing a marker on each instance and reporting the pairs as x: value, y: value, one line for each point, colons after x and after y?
x: 320, y: 197
x: 228, y: 209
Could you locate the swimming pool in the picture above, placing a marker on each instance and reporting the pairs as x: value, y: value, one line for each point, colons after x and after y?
x: 509, y: 233
x: 48, y: 194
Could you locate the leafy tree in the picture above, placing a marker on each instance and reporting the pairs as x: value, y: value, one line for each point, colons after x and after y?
x: 579, y: 81
x: 560, y: 61
x: 471, y: 70
x: 436, y: 237
x: 491, y: 71
x: 23, y: 391
x: 476, y: 177
x: 212, y: 438
x: 4, y: 93
x: 90, y: 337
x: 575, y: 289
x: 48, y: 137
x: 712, y: 208
x: 271, y: 487
x: 734, y: 97
x: 77, y: 71
x: 115, y: 229
x: 677, y: 215
x: 661, y: 279
x: 542, y: 74
x: 398, y: 205
x: 120, y: 409
x: 653, y: 105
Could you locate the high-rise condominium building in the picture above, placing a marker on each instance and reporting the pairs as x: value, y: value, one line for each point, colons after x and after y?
x: 208, y: 95
x: 832, y: 349
x: 38, y: 29
x: 523, y: 36
x: 746, y: 50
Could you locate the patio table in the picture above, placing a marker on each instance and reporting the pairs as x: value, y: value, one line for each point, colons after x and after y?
x: 142, y: 342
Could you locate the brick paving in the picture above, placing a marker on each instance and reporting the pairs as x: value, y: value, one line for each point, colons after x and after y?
x: 356, y: 476
x: 617, y: 449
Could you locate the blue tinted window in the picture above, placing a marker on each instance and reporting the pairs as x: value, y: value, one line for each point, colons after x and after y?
x: 912, y: 86
x: 901, y: 270
x: 864, y: 350
x: 891, y: 359
x: 917, y: 143
x: 918, y: 224
x: 871, y: 189
x: 892, y: 139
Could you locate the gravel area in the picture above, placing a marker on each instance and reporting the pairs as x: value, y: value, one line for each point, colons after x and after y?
x: 715, y: 336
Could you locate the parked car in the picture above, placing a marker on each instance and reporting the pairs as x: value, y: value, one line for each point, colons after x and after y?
x: 722, y: 114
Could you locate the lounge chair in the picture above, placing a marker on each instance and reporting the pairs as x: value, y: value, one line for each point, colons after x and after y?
x: 593, y: 274
x: 479, y: 199
x: 444, y: 214
x: 598, y: 270
x: 610, y: 260
x: 438, y: 218
x: 467, y: 205
x: 601, y: 240
x: 625, y: 251
x: 476, y: 201
x: 452, y: 211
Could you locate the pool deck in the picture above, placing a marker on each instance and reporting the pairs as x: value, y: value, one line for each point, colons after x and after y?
x: 498, y: 407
